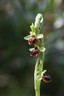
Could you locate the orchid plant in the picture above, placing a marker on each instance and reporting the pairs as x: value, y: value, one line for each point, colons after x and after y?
x: 36, y: 39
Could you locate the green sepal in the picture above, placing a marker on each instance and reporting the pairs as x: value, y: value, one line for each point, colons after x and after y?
x: 39, y: 36
x: 27, y: 37
x: 42, y: 49
x: 31, y: 49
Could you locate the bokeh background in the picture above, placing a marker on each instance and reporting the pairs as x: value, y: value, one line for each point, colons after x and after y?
x: 16, y: 66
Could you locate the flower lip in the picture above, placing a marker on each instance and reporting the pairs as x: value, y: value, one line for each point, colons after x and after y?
x: 32, y: 40
x: 46, y: 78
x: 34, y: 52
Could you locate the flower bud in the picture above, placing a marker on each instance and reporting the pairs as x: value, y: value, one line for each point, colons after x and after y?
x: 34, y: 52
x: 46, y: 78
x: 38, y: 20
x: 32, y: 40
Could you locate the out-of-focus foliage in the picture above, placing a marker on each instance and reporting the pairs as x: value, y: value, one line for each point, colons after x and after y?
x: 16, y: 66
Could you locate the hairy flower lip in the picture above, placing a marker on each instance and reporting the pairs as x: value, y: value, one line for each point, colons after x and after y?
x: 34, y: 52
x: 46, y: 78
x: 32, y: 40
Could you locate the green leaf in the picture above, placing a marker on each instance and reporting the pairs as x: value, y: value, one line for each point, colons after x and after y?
x: 42, y: 49
x: 27, y: 37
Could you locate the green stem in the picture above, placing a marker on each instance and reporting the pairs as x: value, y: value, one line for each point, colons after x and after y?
x: 37, y: 88
x: 38, y: 71
x: 41, y: 62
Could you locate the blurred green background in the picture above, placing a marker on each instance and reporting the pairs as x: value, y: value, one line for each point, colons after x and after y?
x: 16, y: 66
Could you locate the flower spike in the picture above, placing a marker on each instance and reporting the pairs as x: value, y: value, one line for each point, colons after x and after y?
x: 36, y: 39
